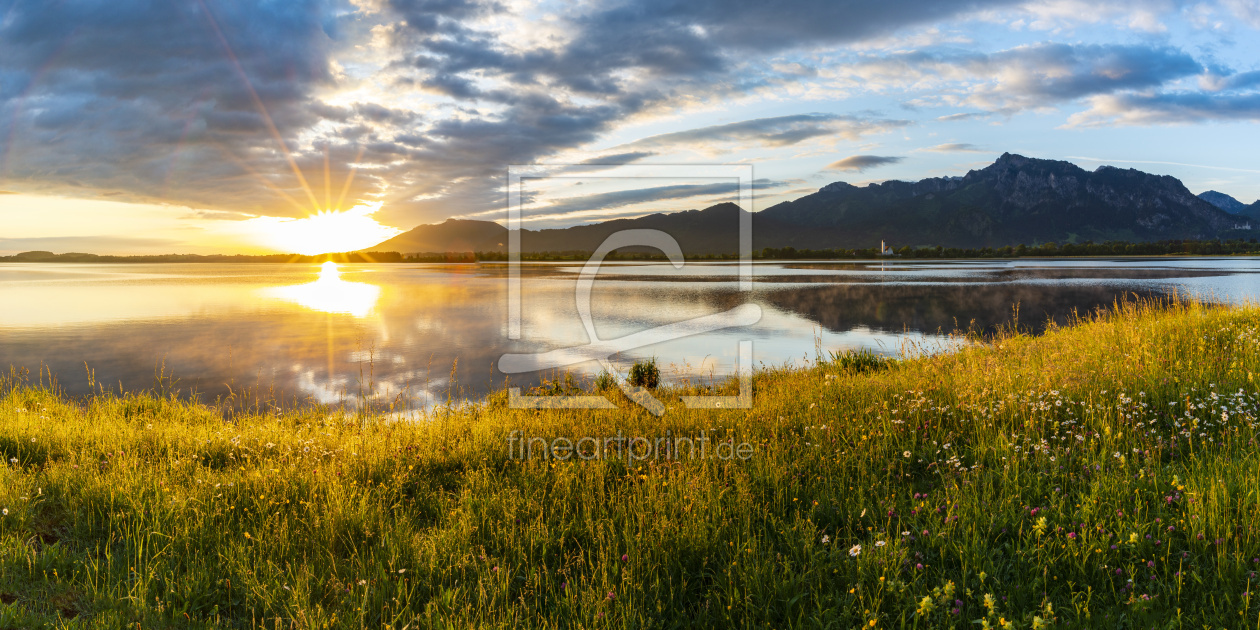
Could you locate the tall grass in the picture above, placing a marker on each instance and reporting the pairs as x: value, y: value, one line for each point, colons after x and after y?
x: 1100, y: 475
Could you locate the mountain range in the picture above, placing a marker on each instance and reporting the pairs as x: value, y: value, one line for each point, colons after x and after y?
x: 1014, y: 200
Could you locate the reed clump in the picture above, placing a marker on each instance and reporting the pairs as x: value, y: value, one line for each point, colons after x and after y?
x: 1103, y: 474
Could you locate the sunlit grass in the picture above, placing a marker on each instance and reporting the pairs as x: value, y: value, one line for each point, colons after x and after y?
x: 1101, y: 475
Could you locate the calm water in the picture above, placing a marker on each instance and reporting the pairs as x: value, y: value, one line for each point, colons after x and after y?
x: 302, y: 333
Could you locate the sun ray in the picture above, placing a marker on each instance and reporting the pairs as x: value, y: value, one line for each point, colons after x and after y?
x: 265, y: 182
x: 354, y: 168
x: 262, y: 109
x: 327, y: 180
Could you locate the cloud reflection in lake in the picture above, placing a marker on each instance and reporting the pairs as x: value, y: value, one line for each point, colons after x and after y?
x: 392, y: 333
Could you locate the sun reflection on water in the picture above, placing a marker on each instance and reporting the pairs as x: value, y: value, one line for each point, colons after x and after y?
x: 330, y: 294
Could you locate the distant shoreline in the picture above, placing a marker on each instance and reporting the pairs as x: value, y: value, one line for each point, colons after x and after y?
x: 1086, y: 250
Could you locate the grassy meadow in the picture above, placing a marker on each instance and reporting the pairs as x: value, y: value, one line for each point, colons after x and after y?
x: 1102, y: 475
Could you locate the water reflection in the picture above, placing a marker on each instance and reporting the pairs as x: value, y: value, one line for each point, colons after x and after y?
x: 330, y: 294
x: 340, y: 339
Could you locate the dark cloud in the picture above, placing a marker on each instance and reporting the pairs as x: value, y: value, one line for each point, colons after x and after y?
x: 620, y: 59
x: 161, y: 100
x: 861, y: 162
x: 670, y: 37
x: 618, y: 158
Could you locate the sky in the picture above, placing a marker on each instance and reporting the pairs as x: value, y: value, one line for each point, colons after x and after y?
x: 220, y: 126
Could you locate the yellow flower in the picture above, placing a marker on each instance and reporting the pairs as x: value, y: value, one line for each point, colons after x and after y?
x: 926, y: 606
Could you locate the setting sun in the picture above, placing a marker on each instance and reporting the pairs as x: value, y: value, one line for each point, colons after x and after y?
x: 323, y: 232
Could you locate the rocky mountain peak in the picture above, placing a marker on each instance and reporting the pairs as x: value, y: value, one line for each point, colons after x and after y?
x: 1222, y: 201
x: 836, y: 187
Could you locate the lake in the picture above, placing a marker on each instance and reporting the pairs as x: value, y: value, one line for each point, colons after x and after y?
x: 419, y: 334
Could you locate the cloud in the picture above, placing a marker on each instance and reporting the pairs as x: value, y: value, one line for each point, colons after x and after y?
x: 1245, y: 10
x: 778, y: 131
x: 422, y: 104
x: 860, y: 163
x: 162, y: 100
x: 1167, y: 108
x: 7, y: 192
x: 617, y: 159
x: 1024, y: 77
x: 594, y: 67
x: 597, y: 205
x: 1218, y: 83
x: 84, y: 244
x: 954, y: 147
x: 218, y: 215
x: 620, y: 198
x: 964, y: 116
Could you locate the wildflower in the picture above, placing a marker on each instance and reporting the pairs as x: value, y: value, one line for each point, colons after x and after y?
x: 926, y: 606
x: 906, y: 454
x: 4, y: 512
x: 13, y: 460
x: 855, y: 550
x: 362, y: 582
x: 826, y: 539
x: 625, y: 557
x: 1041, y: 525
x: 879, y: 543
x: 401, y: 571
x: 611, y: 595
